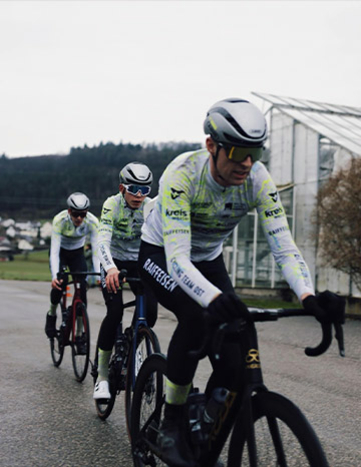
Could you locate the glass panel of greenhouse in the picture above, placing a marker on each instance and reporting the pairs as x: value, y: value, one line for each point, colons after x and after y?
x: 253, y: 265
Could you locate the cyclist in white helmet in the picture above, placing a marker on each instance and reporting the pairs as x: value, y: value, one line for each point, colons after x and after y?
x: 118, y: 247
x: 203, y: 195
x: 71, y: 228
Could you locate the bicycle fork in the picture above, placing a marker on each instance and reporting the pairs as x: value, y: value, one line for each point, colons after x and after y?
x: 253, y: 382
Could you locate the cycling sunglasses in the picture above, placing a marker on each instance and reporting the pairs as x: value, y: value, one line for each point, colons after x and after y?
x: 81, y: 214
x: 239, y: 154
x: 135, y: 189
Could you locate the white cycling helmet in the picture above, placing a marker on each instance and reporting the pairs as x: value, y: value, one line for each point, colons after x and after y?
x: 78, y: 201
x: 236, y: 122
x: 135, y: 173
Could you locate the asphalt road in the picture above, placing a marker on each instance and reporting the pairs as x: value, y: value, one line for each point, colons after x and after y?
x: 48, y: 419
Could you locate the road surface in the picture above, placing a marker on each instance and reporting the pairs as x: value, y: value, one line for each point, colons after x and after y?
x: 48, y: 419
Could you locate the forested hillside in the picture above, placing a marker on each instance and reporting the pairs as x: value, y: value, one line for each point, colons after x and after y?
x: 37, y: 187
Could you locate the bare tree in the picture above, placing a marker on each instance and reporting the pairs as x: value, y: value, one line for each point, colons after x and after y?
x: 339, y: 221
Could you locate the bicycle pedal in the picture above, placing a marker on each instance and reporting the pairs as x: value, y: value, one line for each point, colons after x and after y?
x: 102, y: 401
x: 153, y: 448
x: 158, y: 452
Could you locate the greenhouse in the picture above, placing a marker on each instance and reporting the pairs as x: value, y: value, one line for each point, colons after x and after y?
x: 308, y: 141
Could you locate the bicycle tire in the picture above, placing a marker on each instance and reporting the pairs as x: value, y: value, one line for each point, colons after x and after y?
x: 80, y: 354
x: 297, y: 444
x: 146, y: 344
x: 56, y: 343
x: 147, y: 401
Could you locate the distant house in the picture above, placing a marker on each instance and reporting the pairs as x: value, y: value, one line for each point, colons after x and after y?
x: 24, y: 236
x: 308, y: 142
x: 7, y: 223
x: 46, y: 229
x: 6, y: 250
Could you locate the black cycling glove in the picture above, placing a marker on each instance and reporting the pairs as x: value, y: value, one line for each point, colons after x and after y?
x: 311, y: 305
x: 228, y: 307
x: 326, y: 307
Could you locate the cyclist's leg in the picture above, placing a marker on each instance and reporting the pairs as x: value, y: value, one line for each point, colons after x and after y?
x: 55, y: 297
x: 106, y: 337
x: 151, y: 306
x: 227, y: 371
x: 190, y: 328
x: 181, y: 367
x: 77, y: 262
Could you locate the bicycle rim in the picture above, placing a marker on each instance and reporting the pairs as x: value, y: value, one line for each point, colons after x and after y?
x: 283, y: 437
x: 146, y: 411
x: 146, y: 344
x: 80, y: 353
x: 56, y: 343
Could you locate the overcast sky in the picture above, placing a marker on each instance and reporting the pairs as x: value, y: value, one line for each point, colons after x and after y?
x: 85, y: 72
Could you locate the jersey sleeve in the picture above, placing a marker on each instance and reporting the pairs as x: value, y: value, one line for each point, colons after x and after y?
x: 104, y: 234
x: 94, y: 241
x: 55, y: 247
x: 176, y: 223
x: 276, y: 229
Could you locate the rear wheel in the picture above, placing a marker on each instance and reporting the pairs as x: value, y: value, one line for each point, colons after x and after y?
x: 146, y: 412
x: 146, y: 344
x: 57, y: 342
x: 80, y: 342
x: 282, y: 436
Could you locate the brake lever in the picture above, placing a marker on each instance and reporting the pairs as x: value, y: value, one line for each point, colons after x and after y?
x: 122, y: 275
x: 340, y: 339
x: 218, y: 339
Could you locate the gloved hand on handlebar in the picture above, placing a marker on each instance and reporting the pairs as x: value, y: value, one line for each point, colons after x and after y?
x: 326, y: 307
x: 228, y: 307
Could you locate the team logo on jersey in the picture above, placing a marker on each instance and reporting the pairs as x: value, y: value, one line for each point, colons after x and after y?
x: 176, y: 213
x: 175, y: 193
x: 278, y: 212
x: 277, y: 231
x: 274, y: 196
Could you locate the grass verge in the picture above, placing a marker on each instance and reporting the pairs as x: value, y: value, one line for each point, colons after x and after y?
x: 33, y: 266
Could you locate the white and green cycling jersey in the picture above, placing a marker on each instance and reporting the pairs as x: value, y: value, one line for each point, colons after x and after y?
x: 194, y: 215
x: 66, y: 235
x: 119, y: 231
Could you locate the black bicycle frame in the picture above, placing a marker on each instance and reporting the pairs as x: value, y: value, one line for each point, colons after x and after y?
x: 252, y: 380
x: 139, y: 320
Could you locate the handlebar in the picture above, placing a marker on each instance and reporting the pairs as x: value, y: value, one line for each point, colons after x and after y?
x: 66, y: 274
x: 259, y: 314
x: 271, y: 314
x: 123, y: 277
x: 263, y: 315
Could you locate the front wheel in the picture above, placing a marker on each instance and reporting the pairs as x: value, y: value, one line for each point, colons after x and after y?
x: 57, y: 342
x: 146, y: 411
x: 144, y: 344
x: 80, y: 342
x: 282, y: 436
